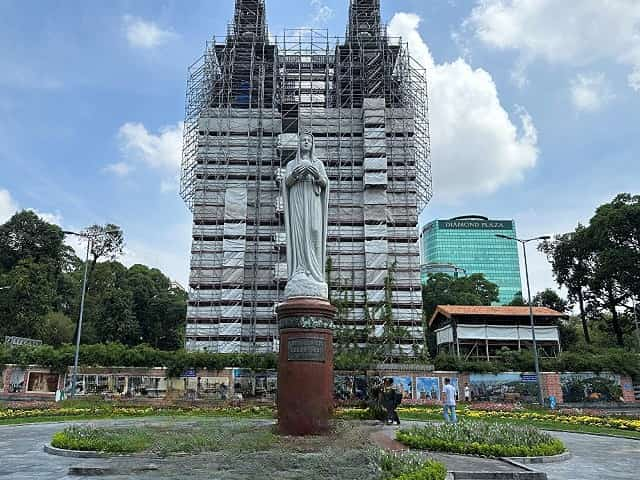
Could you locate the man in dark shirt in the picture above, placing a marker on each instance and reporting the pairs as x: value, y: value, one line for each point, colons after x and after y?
x: 389, y: 401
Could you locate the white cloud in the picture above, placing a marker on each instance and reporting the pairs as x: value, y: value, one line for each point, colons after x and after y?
x: 120, y: 169
x: 590, y: 92
x: 575, y: 33
x: 145, y: 34
x: 7, y: 206
x: 475, y: 147
x: 322, y: 13
x: 173, y: 261
x: 160, y: 151
x: 55, y: 218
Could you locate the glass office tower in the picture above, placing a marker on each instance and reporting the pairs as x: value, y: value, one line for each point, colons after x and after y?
x: 470, y: 244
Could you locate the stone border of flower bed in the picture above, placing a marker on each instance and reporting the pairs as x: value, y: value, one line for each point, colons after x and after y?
x: 63, y: 452
x: 561, y: 457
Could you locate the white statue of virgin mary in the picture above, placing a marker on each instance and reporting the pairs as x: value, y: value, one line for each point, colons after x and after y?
x: 306, y: 201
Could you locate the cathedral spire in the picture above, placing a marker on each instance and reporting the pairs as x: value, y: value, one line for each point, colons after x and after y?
x: 364, y: 19
x: 249, y: 20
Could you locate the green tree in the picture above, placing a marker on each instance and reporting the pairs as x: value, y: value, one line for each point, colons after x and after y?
x: 26, y: 236
x: 443, y: 289
x: 518, y: 300
x: 159, y: 307
x: 616, y: 232
x: 56, y: 329
x: 107, y: 243
x: 572, y: 262
x: 28, y: 299
x: 600, y: 264
x: 550, y: 299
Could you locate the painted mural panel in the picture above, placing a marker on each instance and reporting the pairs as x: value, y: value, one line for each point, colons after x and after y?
x: 403, y: 385
x: 501, y: 387
x: 428, y: 388
x: 42, y: 382
x: 590, y: 387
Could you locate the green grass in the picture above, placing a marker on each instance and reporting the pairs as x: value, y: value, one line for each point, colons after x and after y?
x: 206, y: 436
x: 478, y: 437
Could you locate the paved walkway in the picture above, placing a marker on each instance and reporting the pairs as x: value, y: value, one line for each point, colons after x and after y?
x: 595, y: 457
x: 21, y: 458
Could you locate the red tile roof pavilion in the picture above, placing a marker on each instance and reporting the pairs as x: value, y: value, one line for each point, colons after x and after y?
x: 461, y: 310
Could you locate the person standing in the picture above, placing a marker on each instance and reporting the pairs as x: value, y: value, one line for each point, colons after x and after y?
x: 390, y: 401
x: 467, y: 392
x: 449, y: 402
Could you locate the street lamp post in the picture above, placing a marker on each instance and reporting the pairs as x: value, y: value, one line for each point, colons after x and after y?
x: 90, y: 237
x: 523, y: 242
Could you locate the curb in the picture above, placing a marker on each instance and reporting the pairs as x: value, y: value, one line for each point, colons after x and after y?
x: 531, y: 475
x: 537, y: 460
x: 62, y: 452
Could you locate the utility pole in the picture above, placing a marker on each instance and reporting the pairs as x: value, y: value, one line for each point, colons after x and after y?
x: 533, y: 328
x: 90, y: 236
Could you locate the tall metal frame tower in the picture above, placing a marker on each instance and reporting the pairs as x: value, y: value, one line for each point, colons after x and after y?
x: 365, y: 101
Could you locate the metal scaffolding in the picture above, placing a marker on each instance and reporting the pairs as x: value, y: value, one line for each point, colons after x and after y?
x: 365, y: 101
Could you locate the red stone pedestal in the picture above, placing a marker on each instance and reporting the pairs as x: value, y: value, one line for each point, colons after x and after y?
x: 305, y: 366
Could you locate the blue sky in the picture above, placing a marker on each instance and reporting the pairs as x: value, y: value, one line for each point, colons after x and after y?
x: 534, y: 109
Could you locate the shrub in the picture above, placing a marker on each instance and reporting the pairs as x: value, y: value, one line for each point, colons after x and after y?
x: 482, y: 438
x: 409, y: 466
x: 117, y: 354
x: 86, y: 438
x: 590, y: 360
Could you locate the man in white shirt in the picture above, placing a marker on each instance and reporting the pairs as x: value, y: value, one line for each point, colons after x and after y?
x: 449, y: 402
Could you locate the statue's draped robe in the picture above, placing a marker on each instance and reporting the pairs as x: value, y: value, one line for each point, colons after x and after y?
x: 306, y: 209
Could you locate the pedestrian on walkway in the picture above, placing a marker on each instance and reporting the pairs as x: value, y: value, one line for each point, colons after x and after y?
x: 449, y: 402
x: 389, y: 400
x: 467, y: 392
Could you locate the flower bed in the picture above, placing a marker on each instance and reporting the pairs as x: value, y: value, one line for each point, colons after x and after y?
x: 571, y: 418
x: 407, y: 466
x: 114, y: 410
x: 482, y: 438
x: 589, y: 420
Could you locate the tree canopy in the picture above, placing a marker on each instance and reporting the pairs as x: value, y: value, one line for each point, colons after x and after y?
x: 599, y: 264
x: 43, y: 279
x: 443, y: 289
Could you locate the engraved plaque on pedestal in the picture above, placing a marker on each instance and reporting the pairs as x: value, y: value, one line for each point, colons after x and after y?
x: 305, y: 349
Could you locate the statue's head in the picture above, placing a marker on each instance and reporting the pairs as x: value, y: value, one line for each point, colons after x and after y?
x: 306, y: 143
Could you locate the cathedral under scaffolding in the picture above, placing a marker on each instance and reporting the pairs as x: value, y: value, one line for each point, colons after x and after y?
x: 365, y: 101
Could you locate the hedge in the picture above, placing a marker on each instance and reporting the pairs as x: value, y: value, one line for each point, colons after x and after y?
x: 116, y: 354
x: 605, y: 360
